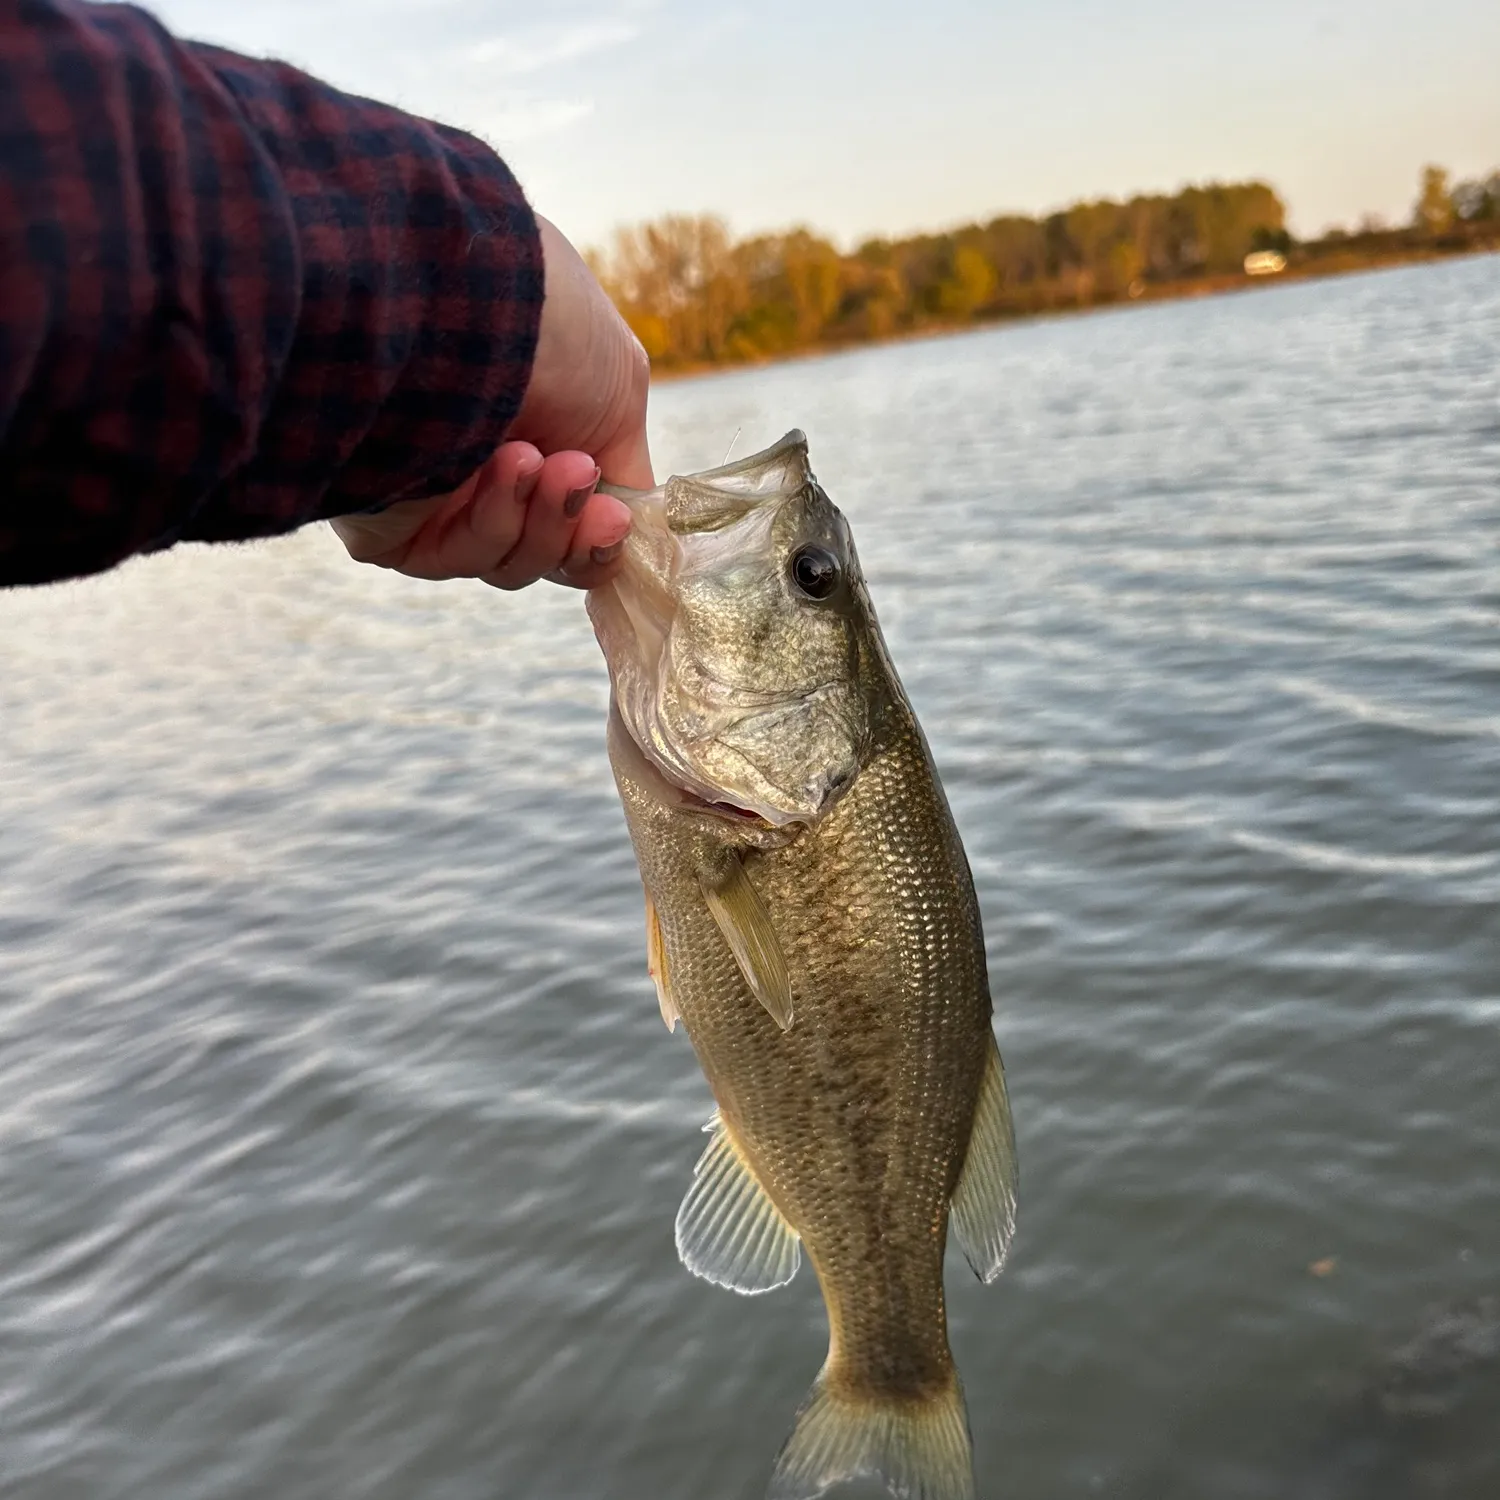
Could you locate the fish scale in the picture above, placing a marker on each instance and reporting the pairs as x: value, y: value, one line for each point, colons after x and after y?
x: 821, y: 941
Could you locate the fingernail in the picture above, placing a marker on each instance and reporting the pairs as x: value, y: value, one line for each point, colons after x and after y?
x: 602, y: 555
x: 579, y: 497
x: 526, y: 483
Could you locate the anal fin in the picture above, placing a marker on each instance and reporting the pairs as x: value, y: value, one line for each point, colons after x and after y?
x: 746, y: 925
x: 984, y: 1203
x: 728, y: 1230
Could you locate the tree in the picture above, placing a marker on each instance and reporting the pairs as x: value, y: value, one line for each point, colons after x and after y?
x: 1016, y: 248
x: 677, y: 285
x: 970, y: 286
x: 1478, y: 202
x: 875, y: 298
x: 694, y: 295
x: 812, y: 271
x: 1434, y: 207
x: 1263, y: 238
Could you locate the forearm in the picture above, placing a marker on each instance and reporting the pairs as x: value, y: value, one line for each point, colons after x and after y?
x: 232, y: 299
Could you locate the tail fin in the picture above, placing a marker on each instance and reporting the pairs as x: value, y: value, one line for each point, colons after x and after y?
x: 918, y: 1449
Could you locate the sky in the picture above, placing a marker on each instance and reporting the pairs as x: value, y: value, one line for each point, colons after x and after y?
x: 880, y: 118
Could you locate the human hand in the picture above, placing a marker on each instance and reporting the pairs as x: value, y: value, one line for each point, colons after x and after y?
x: 520, y: 517
x: 530, y: 511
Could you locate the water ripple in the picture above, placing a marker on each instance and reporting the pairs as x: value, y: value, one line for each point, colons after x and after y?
x: 341, y: 1137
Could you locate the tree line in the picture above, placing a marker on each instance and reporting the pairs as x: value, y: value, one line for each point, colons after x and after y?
x: 695, y: 295
x: 1443, y: 204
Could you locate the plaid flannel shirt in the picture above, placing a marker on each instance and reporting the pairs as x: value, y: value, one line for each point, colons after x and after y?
x: 233, y: 299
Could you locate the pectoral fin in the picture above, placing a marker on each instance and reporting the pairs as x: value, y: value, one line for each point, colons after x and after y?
x: 746, y: 924
x: 984, y: 1204
x: 728, y: 1230
x: 656, y: 966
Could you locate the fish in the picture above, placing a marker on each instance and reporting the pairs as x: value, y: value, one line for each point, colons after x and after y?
x: 811, y: 921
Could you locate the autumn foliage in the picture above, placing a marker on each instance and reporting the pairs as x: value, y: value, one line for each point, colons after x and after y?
x: 695, y: 295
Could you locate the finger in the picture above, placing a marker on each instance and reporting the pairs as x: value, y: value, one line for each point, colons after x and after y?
x: 598, y: 544
x: 562, y: 490
x: 468, y: 531
x: 485, y: 532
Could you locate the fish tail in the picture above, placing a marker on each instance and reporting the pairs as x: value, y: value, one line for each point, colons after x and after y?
x: 917, y: 1447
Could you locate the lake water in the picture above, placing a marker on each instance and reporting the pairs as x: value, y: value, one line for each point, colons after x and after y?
x: 340, y: 1140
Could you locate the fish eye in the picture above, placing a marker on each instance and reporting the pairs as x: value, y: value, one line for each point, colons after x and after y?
x: 815, y: 571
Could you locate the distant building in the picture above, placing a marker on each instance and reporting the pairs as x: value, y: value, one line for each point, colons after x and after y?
x: 1264, y: 263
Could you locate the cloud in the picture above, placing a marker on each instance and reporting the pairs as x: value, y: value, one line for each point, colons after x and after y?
x: 537, y: 48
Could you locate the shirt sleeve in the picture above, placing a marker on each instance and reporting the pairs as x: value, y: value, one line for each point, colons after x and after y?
x: 232, y: 298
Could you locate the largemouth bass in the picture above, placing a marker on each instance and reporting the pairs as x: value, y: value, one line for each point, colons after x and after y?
x: 811, y: 920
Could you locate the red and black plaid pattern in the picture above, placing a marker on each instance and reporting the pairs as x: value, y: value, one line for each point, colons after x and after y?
x: 233, y: 299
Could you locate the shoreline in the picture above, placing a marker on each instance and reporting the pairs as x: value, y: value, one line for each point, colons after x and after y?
x: 1318, y: 268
